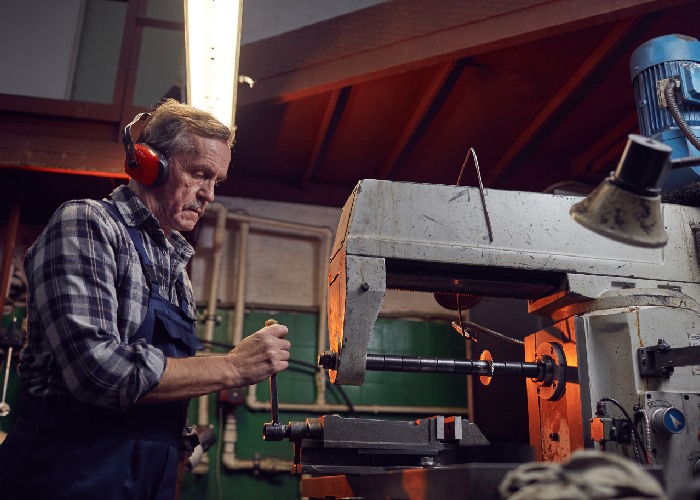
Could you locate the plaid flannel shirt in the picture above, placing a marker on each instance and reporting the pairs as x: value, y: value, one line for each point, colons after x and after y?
x: 88, y: 296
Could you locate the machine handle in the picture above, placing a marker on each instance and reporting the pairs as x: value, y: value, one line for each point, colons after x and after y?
x: 274, y: 431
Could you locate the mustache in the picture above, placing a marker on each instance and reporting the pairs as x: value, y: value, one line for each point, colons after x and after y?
x: 195, y: 205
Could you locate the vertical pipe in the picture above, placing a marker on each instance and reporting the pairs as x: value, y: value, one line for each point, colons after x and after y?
x: 9, y: 248
x: 243, y: 233
x: 210, y: 313
x: 320, y: 376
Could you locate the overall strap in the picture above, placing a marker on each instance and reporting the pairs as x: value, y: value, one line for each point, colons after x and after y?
x: 180, y: 288
x: 146, y: 263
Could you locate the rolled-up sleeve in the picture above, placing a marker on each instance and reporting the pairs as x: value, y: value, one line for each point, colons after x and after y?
x: 79, y: 295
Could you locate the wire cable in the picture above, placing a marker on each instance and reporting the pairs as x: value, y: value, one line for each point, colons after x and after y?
x: 646, y: 430
x: 472, y: 152
x: 474, y: 326
x: 299, y: 369
x: 672, y: 105
x: 634, y: 429
x: 461, y: 329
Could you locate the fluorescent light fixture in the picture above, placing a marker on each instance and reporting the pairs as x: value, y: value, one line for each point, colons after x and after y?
x: 212, y: 41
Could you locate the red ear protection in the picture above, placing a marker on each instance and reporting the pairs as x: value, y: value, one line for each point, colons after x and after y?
x: 143, y: 163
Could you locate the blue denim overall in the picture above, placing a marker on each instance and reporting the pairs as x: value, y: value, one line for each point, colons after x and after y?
x: 62, y: 449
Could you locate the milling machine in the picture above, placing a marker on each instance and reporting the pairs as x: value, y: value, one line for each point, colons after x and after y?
x: 618, y: 370
x: 626, y: 320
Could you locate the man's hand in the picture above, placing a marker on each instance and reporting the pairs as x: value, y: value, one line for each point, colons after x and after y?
x: 260, y: 355
x: 256, y: 358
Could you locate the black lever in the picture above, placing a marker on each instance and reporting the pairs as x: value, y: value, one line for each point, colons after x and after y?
x: 274, y: 431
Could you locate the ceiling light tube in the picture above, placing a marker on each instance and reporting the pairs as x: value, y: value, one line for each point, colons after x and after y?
x: 212, y: 44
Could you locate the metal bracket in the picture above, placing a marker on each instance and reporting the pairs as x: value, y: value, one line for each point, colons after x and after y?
x: 661, y: 86
x: 695, y: 231
x: 660, y: 360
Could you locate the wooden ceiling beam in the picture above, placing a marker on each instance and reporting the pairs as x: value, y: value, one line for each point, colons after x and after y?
x: 588, y: 163
x: 62, y: 154
x: 124, y: 89
x: 453, y: 42
x: 590, y: 64
x: 419, y: 111
x: 58, y: 108
x: 321, y: 136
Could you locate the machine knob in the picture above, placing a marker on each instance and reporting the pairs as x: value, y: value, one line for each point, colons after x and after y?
x: 668, y: 421
x: 328, y: 360
x: 274, y: 431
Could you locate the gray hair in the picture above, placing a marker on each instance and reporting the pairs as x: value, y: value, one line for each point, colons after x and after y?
x: 171, y: 125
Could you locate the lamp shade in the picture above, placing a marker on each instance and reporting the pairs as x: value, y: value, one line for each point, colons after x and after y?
x: 626, y: 206
x: 622, y: 216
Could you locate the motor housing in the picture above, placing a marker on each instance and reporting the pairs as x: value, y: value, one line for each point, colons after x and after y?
x: 652, y: 65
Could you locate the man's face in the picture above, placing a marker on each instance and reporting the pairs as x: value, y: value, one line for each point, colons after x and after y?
x: 189, y: 188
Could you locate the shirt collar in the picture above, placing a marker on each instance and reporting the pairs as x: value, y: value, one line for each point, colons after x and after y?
x: 136, y: 214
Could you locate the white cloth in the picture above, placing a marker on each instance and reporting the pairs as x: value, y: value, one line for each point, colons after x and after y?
x: 586, y: 475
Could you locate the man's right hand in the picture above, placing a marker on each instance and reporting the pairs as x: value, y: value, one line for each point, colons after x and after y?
x: 256, y: 358
x: 261, y: 354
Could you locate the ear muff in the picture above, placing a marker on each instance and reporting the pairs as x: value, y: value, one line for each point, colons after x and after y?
x: 143, y: 163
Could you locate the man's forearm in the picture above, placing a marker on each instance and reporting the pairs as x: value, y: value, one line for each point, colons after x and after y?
x: 257, y: 357
x: 186, y: 378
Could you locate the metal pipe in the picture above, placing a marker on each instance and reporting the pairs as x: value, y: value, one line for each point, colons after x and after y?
x: 210, y: 313
x: 239, y: 311
x: 9, y: 248
x: 320, y: 377
x: 7, y: 255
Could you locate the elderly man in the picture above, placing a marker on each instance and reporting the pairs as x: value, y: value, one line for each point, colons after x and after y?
x: 108, y: 367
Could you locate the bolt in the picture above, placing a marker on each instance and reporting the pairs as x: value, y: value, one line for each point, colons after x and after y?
x: 328, y: 360
x: 554, y: 436
x: 365, y: 286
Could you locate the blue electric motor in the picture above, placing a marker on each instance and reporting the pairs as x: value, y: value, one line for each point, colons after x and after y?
x: 669, y: 59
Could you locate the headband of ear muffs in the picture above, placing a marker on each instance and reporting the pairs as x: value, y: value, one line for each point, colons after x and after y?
x: 143, y: 163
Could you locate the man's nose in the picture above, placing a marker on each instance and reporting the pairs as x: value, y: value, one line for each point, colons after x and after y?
x: 207, y: 191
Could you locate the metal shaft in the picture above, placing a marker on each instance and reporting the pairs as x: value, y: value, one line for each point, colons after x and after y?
x: 380, y: 362
x: 274, y: 407
x: 274, y: 431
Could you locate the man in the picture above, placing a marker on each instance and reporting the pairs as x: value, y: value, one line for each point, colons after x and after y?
x: 108, y: 368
